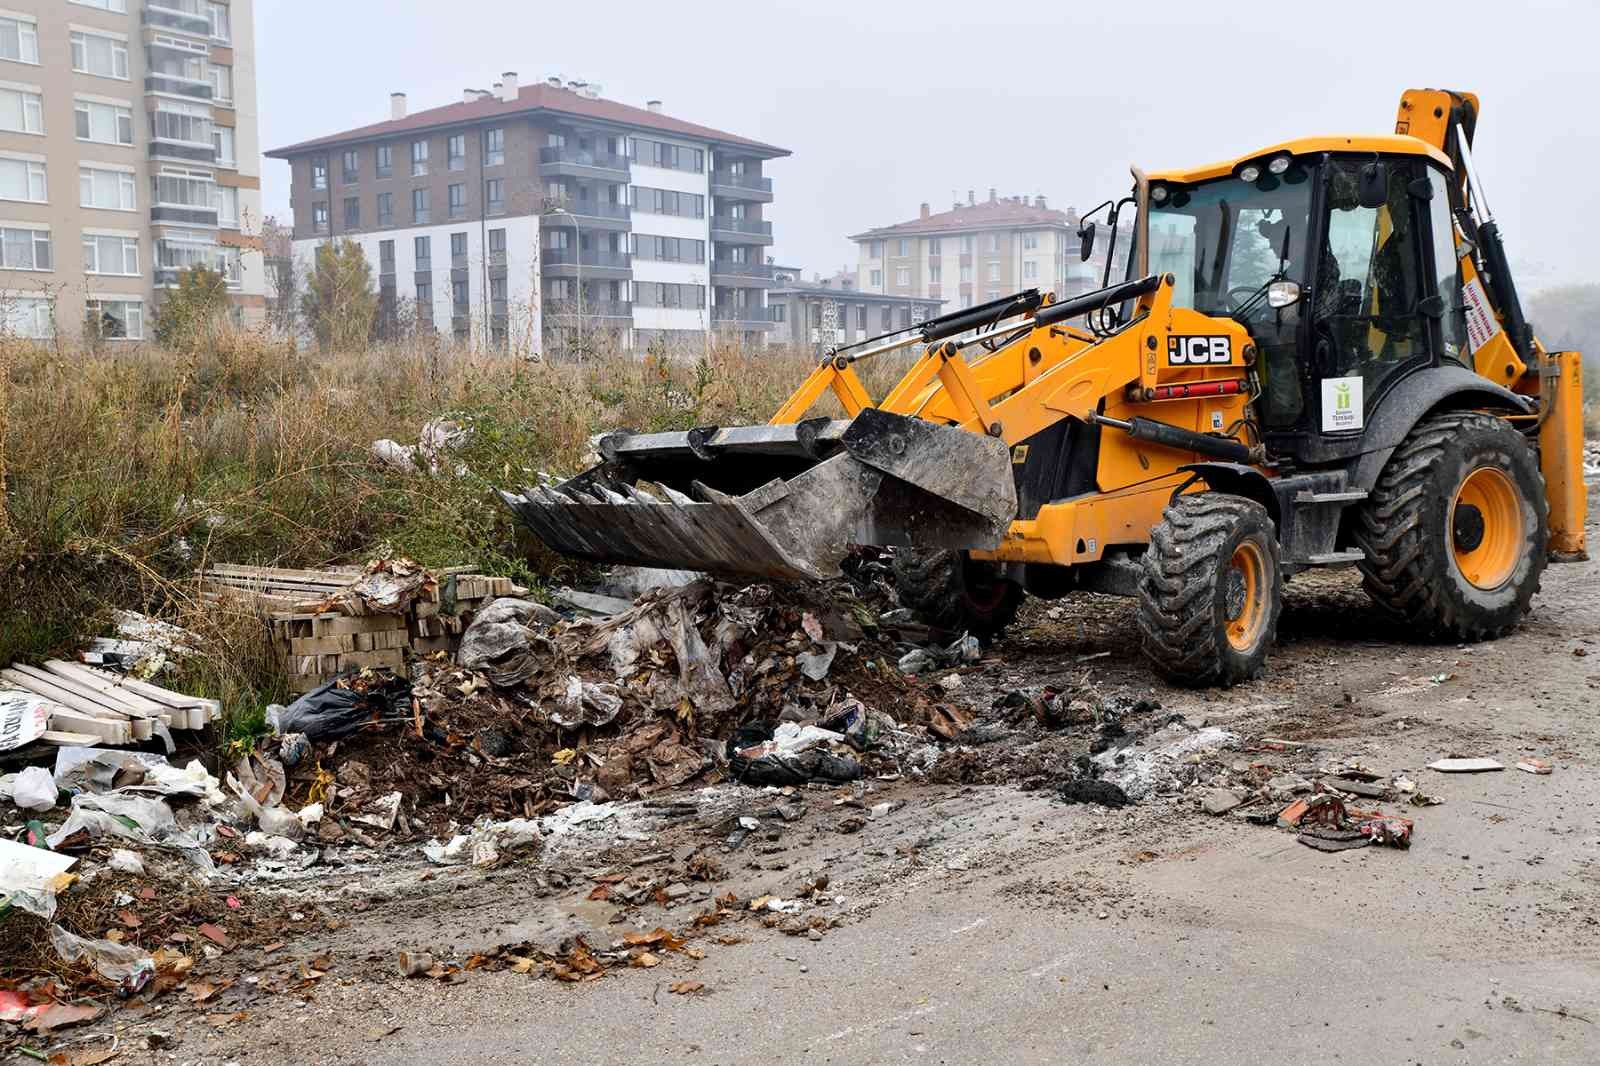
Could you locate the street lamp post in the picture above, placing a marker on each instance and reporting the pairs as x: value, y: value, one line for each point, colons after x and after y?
x: 577, y: 237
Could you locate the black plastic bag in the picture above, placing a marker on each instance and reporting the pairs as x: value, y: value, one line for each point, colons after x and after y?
x: 332, y: 711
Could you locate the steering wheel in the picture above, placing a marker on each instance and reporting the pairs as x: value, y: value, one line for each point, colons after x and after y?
x: 1236, y: 300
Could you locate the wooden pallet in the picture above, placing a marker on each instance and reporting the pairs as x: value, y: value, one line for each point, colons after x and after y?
x: 105, y: 707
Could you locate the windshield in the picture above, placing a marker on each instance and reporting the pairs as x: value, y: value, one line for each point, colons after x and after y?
x: 1223, y: 240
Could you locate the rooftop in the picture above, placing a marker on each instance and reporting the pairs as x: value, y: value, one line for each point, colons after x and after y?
x: 994, y: 213
x: 530, y: 99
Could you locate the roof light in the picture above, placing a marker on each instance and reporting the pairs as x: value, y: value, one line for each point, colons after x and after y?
x: 1158, y: 194
x: 1279, y: 164
x: 1249, y: 173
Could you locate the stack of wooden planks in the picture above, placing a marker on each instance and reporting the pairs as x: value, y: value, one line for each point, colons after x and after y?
x: 317, y: 644
x: 92, y: 706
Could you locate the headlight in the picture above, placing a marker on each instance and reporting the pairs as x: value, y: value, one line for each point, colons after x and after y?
x: 1278, y: 165
x: 1249, y: 173
x: 1158, y: 194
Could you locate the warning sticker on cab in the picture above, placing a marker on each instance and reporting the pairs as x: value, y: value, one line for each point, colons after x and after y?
x: 1481, y: 323
x: 1342, y: 404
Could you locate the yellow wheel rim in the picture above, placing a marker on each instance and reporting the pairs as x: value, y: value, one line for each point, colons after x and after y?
x: 1245, y: 595
x: 1486, y: 527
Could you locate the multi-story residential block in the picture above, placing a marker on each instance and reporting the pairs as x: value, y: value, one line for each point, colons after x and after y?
x: 532, y: 214
x: 972, y: 252
x: 834, y: 310
x: 127, y: 153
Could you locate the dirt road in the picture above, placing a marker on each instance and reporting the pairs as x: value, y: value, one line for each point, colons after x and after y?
x: 982, y: 923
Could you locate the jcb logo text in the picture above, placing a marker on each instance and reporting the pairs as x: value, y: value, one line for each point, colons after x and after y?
x: 1199, y: 351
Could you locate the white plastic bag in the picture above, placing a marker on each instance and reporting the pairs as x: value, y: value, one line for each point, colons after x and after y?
x: 34, y: 789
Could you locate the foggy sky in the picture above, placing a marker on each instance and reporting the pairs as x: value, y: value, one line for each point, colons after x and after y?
x: 886, y: 103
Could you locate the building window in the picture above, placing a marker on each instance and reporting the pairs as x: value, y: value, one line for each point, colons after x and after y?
x: 23, y: 112
x: 497, y: 247
x: 422, y: 248
x: 1030, y: 241
x: 115, y: 319
x: 184, y: 188
x: 33, y: 317
x: 1030, y: 270
x: 221, y: 84
x: 386, y: 257
x: 902, y: 276
x: 385, y: 161
x: 23, y: 179
x: 669, y: 156
x: 104, y: 57
x: 934, y: 273
x: 875, y: 249
x: 109, y: 190
x: 902, y: 247
x: 352, y: 212
x: 19, y: 39
x: 104, y: 254
x: 669, y: 294
x: 419, y: 158
x: 966, y: 245
x: 494, y: 147
x: 458, y: 248
x: 456, y: 152
x: 933, y: 246
x: 905, y: 318
x: 667, y: 202
x: 350, y: 165
x: 119, y: 6
x: 886, y: 318
x: 877, y: 279
x: 994, y: 272
x: 419, y: 205
x: 497, y: 295
x: 319, y: 216
x: 457, y: 207
x: 221, y: 29
x: 425, y: 300
x: 222, y: 141
x: 228, y: 206
x: 668, y: 249
x: 319, y: 173
x: 191, y: 124
x: 386, y: 209
x: 495, y: 191
x: 966, y: 273
x: 994, y: 242
x: 460, y: 298
x: 779, y: 312
x: 24, y: 249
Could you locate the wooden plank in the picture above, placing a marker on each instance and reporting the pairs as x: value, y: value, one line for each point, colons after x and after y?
x: 67, y: 699
x: 345, y: 625
x: 105, y: 690
x: 332, y: 572
x: 160, y: 695
x: 321, y: 645
x: 109, y: 732
x: 61, y: 738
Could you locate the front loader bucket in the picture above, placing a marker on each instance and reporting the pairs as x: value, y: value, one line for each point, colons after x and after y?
x: 784, y: 501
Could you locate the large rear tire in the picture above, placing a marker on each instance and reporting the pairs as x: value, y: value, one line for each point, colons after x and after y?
x: 1212, y: 590
x: 1456, y: 531
x: 950, y: 590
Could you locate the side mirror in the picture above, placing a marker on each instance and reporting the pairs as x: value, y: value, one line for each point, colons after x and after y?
x: 1281, y: 294
x: 1085, y: 241
x: 1372, y: 191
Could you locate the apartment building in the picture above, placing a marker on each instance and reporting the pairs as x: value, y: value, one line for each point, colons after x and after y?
x: 833, y: 310
x: 531, y: 215
x: 972, y: 252
x: 127, y: 153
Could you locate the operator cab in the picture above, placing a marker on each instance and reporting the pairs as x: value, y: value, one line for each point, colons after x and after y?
x: 1339, y: 260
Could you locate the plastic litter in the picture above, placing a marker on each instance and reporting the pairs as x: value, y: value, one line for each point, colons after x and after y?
x: 483, y: 845
x: 587, y: 703
x: 143, y: 819
x: 126, y: 862
x: 339, y: 708
x: 34, y: 789
x: 125, y: 964
x: 501, y: 643
x: 30, y: 877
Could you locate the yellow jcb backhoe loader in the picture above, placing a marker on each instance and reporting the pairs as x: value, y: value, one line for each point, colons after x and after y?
x: 1313, y: 355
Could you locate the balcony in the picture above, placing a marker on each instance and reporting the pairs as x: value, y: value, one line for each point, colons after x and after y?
x: 181, y: 214
x: 742, y: 317
x: 594, y: 262
x: 573, y: 162
x: 185, y: 151
x: 563, y: 309
x: 180, y: 15
x: 734, y: 275
x: 731, y: 186
x: 740, y: 230
x: 178, y: 86
x: 591, y: 214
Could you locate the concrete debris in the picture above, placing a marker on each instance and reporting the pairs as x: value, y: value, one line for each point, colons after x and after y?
x: 1465, y: 766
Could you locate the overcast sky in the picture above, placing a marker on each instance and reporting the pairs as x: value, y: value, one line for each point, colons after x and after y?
x: 886, y: 103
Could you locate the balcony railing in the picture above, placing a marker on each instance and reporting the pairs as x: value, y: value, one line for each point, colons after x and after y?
x: 590, y: 308
x: 580, y: 158
x: 748, y: 226
x: 751, y: 182
x: 591, y: 257
x: 590, y: 209
x: 156, y: 82
x: 178, y: 15
x: 752, y: 315
x: 731, y: 268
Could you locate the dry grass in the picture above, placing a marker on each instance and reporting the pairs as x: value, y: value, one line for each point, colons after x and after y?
x: 124, y: 471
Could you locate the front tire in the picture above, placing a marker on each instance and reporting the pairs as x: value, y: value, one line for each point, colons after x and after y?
x: 950, y: 590
x: 1456, y: 531
x: 1212, y: 590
